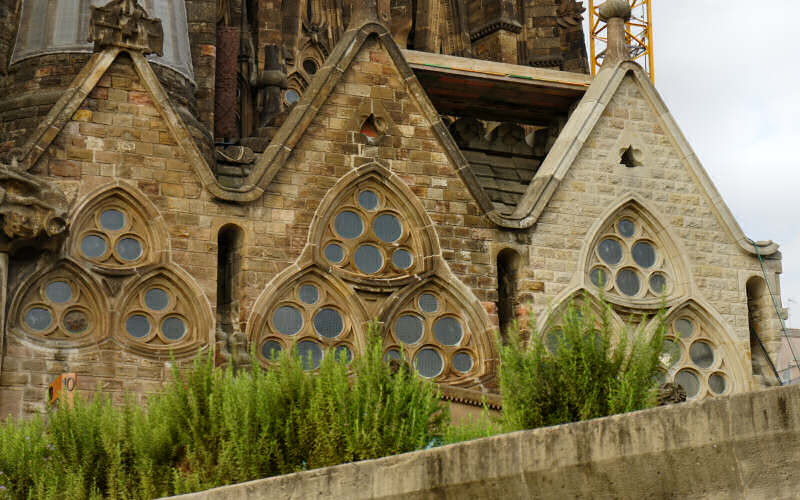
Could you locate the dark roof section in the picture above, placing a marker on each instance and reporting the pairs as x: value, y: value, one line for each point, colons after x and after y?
x: 504, y: 178
x: 496, y: 91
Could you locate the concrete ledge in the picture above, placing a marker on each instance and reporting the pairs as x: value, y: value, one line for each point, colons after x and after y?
x: 743, y: 446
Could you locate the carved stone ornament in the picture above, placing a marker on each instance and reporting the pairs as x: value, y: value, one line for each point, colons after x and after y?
x: 29, y: 206
x: 670, y: 394
x: 124, y: 23
x: 570, y: 13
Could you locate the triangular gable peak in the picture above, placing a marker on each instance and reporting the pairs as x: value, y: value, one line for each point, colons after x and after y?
x: 629, y: 147
x: 288, y: 135
x: 86, y: 81
x: 322, y: 87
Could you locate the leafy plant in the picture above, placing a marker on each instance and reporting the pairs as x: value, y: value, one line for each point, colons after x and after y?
x: 582, y: 367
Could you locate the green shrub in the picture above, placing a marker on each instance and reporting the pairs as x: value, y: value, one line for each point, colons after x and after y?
x: 211, y: 427
x: 579, y: 368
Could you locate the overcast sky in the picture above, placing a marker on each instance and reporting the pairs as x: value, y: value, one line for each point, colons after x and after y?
x: 731, y: 79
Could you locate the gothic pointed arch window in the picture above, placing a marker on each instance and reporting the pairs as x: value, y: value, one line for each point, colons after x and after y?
x: 584, y: 302
x: 62, y: 305
x: 313, y: 313
x: 438, y: 332
x: 373, y: 230
x: 633, y: 261
x: 162, y: 314
x: 117, y: 230
x: 698, y: 355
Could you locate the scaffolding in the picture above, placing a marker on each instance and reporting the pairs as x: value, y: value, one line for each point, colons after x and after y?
x: 639, y: 31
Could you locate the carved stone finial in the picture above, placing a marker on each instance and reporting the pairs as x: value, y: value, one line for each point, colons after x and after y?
x: 615, y: 8
x: 616, y: 13
x: 124, y: 23
x: 29, y: 206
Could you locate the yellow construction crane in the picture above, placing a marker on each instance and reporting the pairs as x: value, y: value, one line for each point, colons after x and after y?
x: 639, y: 30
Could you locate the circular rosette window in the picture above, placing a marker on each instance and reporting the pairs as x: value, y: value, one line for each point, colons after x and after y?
x: 115, y: 232
x: 431, y: 332
x: 693, y: 360
x: 628, y: 261
x: 159, y: 316
x: 370, y: 235
x: 310, y: 319
x: 62, y: 306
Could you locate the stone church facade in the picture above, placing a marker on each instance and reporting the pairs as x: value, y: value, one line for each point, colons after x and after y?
x: 215, y: 176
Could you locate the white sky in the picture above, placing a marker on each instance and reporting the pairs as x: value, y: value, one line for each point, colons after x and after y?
x: 729, y: 74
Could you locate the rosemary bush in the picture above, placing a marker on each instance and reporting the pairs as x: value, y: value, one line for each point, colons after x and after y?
x: 581, y: 367
x: 211, y: 427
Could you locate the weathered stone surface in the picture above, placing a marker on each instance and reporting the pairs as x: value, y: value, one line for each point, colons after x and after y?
x: 739, y: 447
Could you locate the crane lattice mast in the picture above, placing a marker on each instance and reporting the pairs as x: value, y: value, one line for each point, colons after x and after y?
x: 639, y: 31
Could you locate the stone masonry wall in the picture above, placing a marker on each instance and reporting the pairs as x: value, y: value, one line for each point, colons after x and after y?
x: 596, y: 181
x: 117, y: 134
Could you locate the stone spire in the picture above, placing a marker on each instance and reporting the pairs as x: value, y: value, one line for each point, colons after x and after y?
x: 616, y: 13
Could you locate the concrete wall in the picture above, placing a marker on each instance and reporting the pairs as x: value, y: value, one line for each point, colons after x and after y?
x: 742, y: 446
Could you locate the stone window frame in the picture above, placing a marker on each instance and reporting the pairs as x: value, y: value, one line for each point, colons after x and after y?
x: 182, y: 304
x: 478, y: 339
x: 553, y: 319
x: 143, y: 222
x: 112, y: 295
x: 447, y: 308
x: 396, y: 197
x: 332, y: 294
x: 705, y: 329
x: 86, y: 297
x: 670, y: 261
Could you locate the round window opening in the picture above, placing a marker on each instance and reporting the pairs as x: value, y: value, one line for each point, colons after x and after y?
x: 173, y: 328
x: 75, y: 322
x: 368, y: 259
x: 38, y: 318
x: 409, y: 328
x: 328, y: 323
x: 93, y: 246
x: 287, y: 320
x: 428, y: 363
x: 271, y: 349
x: 610, y: 251
x: 309, y: 294
x: 129, y: 249
x: 368, y: 200
x: 348, y: 225
x: 138, y: 326
x: 59, y: 292
x: 334, y: 253
x: 428, y: 303
x: 310, y: 354
x: 112, y: 220
x: 448, y: 330
x: 310, y: 66
x: 156, y: 299
x: 291, y: 96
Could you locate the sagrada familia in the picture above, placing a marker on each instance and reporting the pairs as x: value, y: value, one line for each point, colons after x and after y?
x: 186, y: 176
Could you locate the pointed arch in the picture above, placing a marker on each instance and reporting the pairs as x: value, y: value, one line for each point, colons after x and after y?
x: 634, y: 259
x: 311, y: 308
x: 118, y: 229
x: 60, y: 306
x: 164, y: 313
x: 701, y: 355
x: 440, y: 326
x: 579, y: 297
x: 372, y: 230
